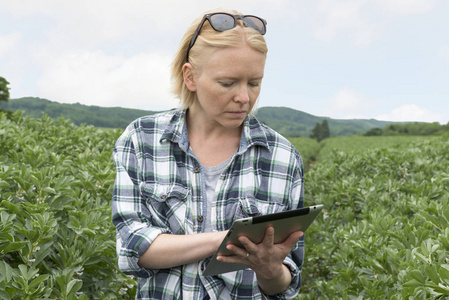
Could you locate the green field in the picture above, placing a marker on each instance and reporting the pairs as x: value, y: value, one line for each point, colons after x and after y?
x: 312, y: 151
x: 384, y: 232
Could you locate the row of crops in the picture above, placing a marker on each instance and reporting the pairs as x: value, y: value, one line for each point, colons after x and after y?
x: 56, y: 236
x: 384, y: 232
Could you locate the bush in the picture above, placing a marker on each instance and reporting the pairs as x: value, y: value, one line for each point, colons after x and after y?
x: 57, y: 240
x: 384, y: 233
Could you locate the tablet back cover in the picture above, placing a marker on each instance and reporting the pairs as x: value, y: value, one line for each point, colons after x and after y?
x: 284, y: 224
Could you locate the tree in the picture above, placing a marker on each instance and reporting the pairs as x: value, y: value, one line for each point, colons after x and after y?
x: 320, y: 131
x: 316, y: 132
x: 4, y: 90
x: 374, y: 132
x: 325, y: 132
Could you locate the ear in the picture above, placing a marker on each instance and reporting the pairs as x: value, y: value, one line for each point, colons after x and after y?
x: 188, y: 73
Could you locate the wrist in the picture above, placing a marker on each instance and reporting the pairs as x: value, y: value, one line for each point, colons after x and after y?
x: 276, y: 283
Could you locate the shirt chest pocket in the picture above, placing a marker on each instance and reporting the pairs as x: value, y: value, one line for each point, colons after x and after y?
x: 251, y: 207
x: 167, y: 204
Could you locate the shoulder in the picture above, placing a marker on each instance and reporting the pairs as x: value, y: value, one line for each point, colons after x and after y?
x: 150, y: 127
x: 157, y: 120
x: 274, y: 141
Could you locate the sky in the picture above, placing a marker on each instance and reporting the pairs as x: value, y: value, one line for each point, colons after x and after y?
x: 343, y: 59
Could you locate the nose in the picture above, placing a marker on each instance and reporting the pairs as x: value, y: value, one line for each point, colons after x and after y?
x: 242, y: 94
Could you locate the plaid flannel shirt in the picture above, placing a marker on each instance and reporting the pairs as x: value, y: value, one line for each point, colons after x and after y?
x: 159, y: 189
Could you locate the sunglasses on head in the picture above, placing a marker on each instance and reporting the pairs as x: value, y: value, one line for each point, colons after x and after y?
x: 225, y: 21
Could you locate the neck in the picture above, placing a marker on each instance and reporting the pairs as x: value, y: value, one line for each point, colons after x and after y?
x: 207, y: 129
x: 212, y: 145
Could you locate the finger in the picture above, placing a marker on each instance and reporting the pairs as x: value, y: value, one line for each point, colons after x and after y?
x: 247, y: 244
x: 238, y: 255
x: 237, y: 251
x: 268, y: 239
x: 233, y: 259
x: 293, y: 239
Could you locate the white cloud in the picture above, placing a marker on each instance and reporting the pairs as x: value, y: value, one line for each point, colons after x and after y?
x: 347, y: 104
x: 91, y: 23
x: 79, y: 24
x: 93, y: 78
x: 410, y: 113
x: 406, y: 7
x: 69, y: 60
x: 348, y: 17
x: 337, y: 16
x: 9, y: 42
x: 444, y: 51
x: 345, y: 99
x: 361, y: 20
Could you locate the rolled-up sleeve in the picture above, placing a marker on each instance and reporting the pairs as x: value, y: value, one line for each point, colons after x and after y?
x: 294, y: 262
x: 130, y: 214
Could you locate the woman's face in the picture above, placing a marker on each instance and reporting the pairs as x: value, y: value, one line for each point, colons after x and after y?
x: 227, y: 86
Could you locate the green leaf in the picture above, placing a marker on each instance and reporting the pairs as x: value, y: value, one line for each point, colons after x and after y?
x: 444, y: 272
x: 24, y: 271
x: 4, y: 295
x: 412, y: 283
x: 38, y: 280
x: 6, y: 271
x: 432, y: 272
x: 74, y: 286
x: 422, y: 257
x: 446, y: 266
x: 49, y: 190
x: 11, y: 206
x: 44, y: 251
x: 12, y: 246
x: 443, y: 289
x: 418, y: 276
x: 4, y: 184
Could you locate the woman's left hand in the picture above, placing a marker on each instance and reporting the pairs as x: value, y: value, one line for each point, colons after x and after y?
x: 265, y: 259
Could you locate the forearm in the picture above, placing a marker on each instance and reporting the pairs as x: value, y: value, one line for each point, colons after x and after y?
x: 277, y: 284
x: 169, y: 250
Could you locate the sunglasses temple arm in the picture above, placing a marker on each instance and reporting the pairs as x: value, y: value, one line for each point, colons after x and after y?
x: 194, y: 37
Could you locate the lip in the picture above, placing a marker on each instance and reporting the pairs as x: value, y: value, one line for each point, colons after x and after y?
x: 237, y: 113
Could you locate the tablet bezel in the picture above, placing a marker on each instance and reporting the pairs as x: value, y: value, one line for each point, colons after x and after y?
x: 284, y: 224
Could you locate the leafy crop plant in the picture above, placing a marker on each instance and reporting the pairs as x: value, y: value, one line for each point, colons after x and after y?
x: 57, y: 240
x: 385, y: 230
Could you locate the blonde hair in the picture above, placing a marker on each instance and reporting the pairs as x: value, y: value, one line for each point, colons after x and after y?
x: 208, y: 39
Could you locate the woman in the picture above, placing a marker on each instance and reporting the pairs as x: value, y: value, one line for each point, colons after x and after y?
x: 184, y: 176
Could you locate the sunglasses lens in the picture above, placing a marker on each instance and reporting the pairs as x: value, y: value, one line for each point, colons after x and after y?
x: 222, y: 22
x: 255, y: 23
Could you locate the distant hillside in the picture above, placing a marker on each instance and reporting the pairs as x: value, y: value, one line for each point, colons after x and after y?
x: 295, y: 123
x: 287, y: 121
x: 111, y: 117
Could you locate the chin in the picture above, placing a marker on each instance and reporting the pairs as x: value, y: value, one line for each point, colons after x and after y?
x: 233, y: 124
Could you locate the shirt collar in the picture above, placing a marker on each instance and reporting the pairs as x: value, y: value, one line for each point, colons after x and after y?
x: 254, y: 133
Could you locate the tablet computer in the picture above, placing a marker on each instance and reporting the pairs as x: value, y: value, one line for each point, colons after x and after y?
x: 284, y: 224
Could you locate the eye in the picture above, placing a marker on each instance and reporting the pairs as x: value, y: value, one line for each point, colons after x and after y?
x: 254, y: 84
x: 226, y: 83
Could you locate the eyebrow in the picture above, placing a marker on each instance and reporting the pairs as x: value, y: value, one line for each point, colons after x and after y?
x: 238, y: 78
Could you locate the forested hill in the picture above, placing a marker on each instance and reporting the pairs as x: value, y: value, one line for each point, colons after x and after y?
x: 287, y: 121
x: 110, y: 117
x: 294, y: 123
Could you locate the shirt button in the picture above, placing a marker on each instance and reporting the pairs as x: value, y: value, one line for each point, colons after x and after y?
x: 196, y: 170
x: 200, y: 219
x: 163, y: 197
